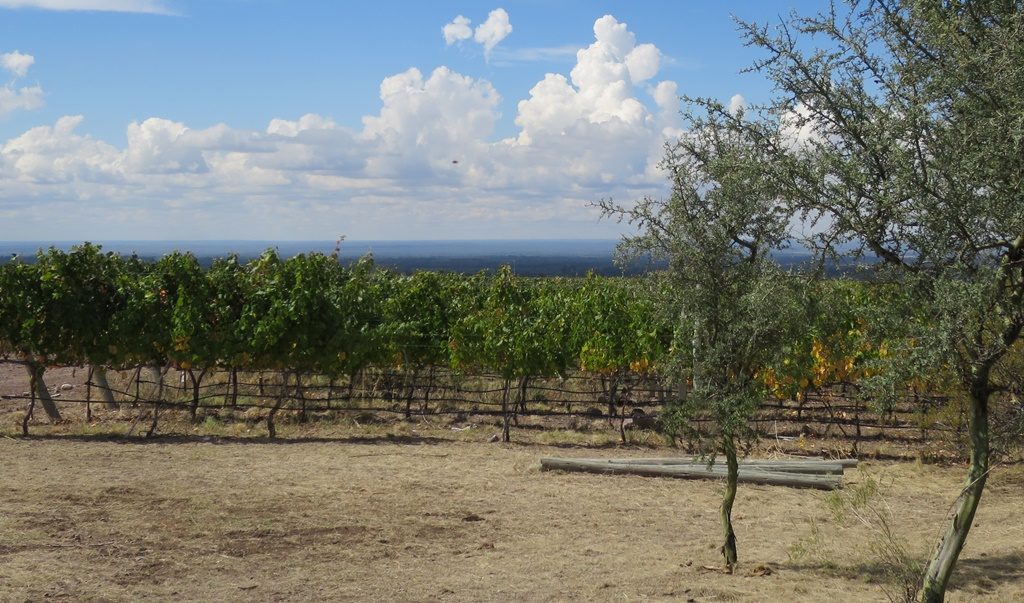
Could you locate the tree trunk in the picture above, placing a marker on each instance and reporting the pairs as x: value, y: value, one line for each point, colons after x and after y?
x: 428, y: 389
x: 138, y: 385
x: 524, y: 386
x: 506, y: 436
x: 233, y: 379
x: 99, y: 376
x: 731, y: 478
x: 158, y: 379
x: 271, y: 430
x: 940, y: 568
x: 196, y: 383
x: 303, y: 417
x: 351, y: 387
x: 156, y: 417
x: 29, y: 410
x: 35, y: 373
x: 612, y: 391
x: 88, y: 395
x: 410, y: 390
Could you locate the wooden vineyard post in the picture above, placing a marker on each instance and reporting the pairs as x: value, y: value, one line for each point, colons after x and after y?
x: 31, y: 406
x: 506, y: 436
x: 277, y: 405
x: 88, y: 394
x: 302, y: 398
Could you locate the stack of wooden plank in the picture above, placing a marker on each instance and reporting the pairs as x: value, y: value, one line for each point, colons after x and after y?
x: 822, y: 474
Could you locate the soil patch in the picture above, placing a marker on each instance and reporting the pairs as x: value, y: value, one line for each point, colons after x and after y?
x: 456, y: 521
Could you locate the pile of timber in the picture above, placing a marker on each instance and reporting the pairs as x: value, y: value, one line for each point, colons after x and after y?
x: 822, y: 474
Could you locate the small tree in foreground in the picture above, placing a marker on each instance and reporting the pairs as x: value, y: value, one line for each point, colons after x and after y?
x: 716, y: 231
x: 898, y: 126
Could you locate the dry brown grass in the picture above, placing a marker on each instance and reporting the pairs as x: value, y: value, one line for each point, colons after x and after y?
x: 413, y: 516
x: 411, y: 511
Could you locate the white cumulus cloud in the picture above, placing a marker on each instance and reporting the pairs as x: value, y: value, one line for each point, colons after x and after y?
x: 601, y: 90
x: 55, y: 154
x: 24, y: 98
x: 424, y: 123
x: 488, y: 34
x: 799, y: 127
x: 158, y: 146
x: 643, y: 62
x: 492, y: 31
x: 666, y: 96
x: 459, y: 29
x: 309, y: 121
x: 426, y: 164
x: 13, y: 98
x: 737, y: 103
x: 16, y: 62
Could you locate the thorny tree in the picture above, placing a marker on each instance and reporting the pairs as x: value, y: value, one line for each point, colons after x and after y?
x: 898, y: 126
x: 716, y: 231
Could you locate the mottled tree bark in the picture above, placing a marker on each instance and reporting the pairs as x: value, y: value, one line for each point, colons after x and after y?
x: 729, y: 551
x: 944, y: 559
x: 35, y: 373
x: 99, y: 377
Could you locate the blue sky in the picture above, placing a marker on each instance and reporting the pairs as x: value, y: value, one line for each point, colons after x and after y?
x: 147, y: 119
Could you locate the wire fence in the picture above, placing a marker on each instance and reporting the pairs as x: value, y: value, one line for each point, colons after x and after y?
x: 620, y: 401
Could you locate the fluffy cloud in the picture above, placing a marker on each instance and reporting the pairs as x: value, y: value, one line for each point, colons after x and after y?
x: 488, y: 34
x: 160, y: 146
x: 799, y: 127
x: 13, y: 98
x: 643, y: 62
x: 495, y: 29
x: 16, y: 62
x: 666, y: 96
x: 737, y: 103
x: 25, y: 98
x: 425, y: 165
x: 308, y: 122
x: 459, y: 29
x: 57, y: 154
x: 123, y: 6
x: 601, y: 90
x: 443, y: 110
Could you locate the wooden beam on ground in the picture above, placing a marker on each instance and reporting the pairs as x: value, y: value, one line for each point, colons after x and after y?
x: 807, y: 468
x: 751, y: 475
x: 826, y: 466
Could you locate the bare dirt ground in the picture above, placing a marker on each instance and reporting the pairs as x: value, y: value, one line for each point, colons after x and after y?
x: 14, y: 381
x: 423, y: 511
x: 414, y: 517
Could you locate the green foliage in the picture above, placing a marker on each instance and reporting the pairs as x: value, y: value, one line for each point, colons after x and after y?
x: 61, y: 306
x: 419, y: 312
x: 309, y: 313
x: 896, y: 131
x: 613, y: 327
x: 736, y: 308
x: 514, y: 327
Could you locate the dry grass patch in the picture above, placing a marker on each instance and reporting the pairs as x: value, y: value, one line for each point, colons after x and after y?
x: 413, y: 518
